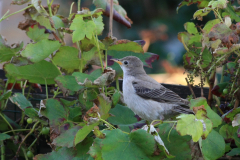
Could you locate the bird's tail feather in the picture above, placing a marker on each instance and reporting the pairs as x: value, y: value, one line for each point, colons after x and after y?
x: 181, y: 109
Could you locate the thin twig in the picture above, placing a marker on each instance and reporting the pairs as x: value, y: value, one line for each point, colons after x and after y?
x: 202, y: 94
x: 111, y: 19
x: 211, y: 84
x: 190, y: 87
x: 34, y: 126
x: 7, y: 122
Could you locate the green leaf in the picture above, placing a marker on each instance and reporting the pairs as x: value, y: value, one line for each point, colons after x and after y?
x: 208, y: 26
x: 66, y: 139
x: 234, y: 152
x: 87, y: 56
x: 37, y: 34
x: 214, y: 117
x: 200, y: 13
x: 227, y: 147
x: 95, y: 149
x: 82, y: 28
x: 5, y: 95
x: 67, y: 83
x: 19, y: 2
x: 119, y: 145
x: 7, y: 52
x: 191, y: 28
x: 236, y: 139
x: 21, y: 101
x: 4, y: 136
x: 83, y: 132
x: 227, y: 131
x: 35, y: 73
x: 233, y: 113
x: 177, y: 145
x: 213, y: 147
x: 104, y: 106
x: 74, y: 112
x: 207, y: 58
x: 58, y: 23
x: 83, y: 148
x: 43, y: 21
x: 33, y: 113
x: 116, y: 97
x: 126, y: 45
x: 188, y: 125
x: 40, y: 50
x: 220, y: 4
x: 67, y: 58
x: 54, y: 111
x: 99, y: 24
x: 123, y: 117
x: 147, y: 58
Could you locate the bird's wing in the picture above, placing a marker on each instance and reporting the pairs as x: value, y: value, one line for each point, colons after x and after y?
x: 157, y: 92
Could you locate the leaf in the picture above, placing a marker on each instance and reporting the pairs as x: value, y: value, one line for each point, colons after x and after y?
x: 7, y: 52
x: 234, y: 152
x: 147, y: 58
x: 220, y: 4
x: 95, y: 149
x: 207, y: 58
x: 227, y: 147
x: 213, y: 147
x: 227, y: 131
x: 123, y: 117
x: 104, y: 105
x: 19, y: 2
x: 58, y: 23
x: 37, y: 6
x: 214, y: 117
x: 4, y: 136
x: 66, y: 139
x: 67, y: 83
x: 126, y: 45
x: 99, y: 24
x: 43, y: 21
x: 40, y: 50
x: 55, y: 112
x: 21, y: 101
x: 35, y: 73
x: 224, y: 33
x: 116, y: 97
x: 67, y: 58
x: 231, y: 66
x: 83, y: 132
x: 200, y: 4
x: 136, y: 145
x: 5, y: 95
x: 236, y: 121
x: 191, y: 28
x: 74, y: 112
x: 188, y: 125
x: 200, y: 13
x: 36, y: 34
x: 177, y: 145
x: 82, y: 28
x: 218, y: 89
x: 33, y: 113
x: 119, y: 14
x: 224, y: 50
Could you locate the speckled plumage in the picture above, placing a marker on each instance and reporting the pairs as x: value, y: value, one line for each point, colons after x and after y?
x: 145, y: 96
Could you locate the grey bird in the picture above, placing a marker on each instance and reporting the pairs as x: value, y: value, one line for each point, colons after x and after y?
x: 145, y: 96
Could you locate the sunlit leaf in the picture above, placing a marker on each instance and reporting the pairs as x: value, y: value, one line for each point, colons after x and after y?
x: 40, y: 72
x: 40, y: 50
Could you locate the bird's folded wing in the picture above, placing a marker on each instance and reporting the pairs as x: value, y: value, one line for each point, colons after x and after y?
x: 158, y: 93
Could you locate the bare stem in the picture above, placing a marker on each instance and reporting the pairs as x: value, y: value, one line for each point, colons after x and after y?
x: 34, y: 126
x: 46, y: 88
x: 211, y: 84
x: 190, y: 87
x: 5, y: 15
x: 111, y: 19
x: 7, y: 122
x: 2, y: 150
x: 79, y: 4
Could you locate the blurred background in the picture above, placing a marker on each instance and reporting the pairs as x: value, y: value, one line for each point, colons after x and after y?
x: 156, y: 22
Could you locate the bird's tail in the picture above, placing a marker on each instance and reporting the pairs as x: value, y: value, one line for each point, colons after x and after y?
x: 181, y: 109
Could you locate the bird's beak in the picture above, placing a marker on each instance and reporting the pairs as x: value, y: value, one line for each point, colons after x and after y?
x: 115, y: 60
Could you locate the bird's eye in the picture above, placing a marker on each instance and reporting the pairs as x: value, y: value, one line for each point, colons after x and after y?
x: 125, y: 62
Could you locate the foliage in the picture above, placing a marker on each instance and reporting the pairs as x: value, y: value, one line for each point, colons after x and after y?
x: 97, y: 124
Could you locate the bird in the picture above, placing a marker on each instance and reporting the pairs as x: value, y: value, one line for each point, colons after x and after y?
x: 145, y: 96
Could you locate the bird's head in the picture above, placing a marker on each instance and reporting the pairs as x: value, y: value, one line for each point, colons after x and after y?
x: 130, y: 65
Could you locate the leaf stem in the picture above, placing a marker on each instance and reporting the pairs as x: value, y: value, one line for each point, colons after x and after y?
x: 108, y: 124
x: 170, y: 131
x: 79, y: 4
x: 5, y: 15
x: 2, y: 150
x: 7, y: 122
x: 29, y: 148
x: 24, y: 152
x: 34, y: 126
x: 97, y: 44
x: 46, y: 88
x: 71, y: 8
x: 217, y: 62
x: 49, y: 8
